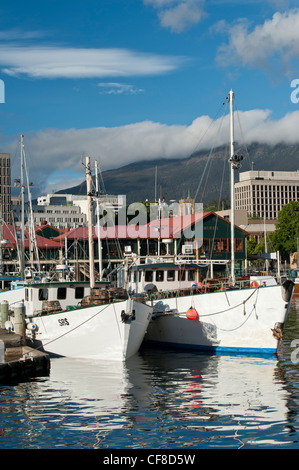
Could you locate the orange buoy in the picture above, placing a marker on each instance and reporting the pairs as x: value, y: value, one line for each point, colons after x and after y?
x: 254, y: 284
x: 192, y: 314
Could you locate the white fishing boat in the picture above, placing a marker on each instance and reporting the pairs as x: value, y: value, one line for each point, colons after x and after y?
x: 71, y: 320
x: 82, y: 320
x: 246, y: 317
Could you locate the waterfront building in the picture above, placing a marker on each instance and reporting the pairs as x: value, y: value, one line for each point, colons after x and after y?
x: 168, y: 238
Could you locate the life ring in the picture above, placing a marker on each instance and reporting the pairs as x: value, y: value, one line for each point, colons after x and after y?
x: 254, y: 284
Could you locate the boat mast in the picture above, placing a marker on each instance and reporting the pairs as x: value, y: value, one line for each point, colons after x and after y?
x: 90, y: 230
x: 22, y: 257
x: 235, y: 164
x: 98, y: 223
x: 232, y: 189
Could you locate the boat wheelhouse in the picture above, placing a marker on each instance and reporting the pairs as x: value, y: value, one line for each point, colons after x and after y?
x: 164, y: 276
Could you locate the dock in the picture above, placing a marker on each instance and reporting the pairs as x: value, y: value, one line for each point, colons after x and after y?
x: 18, y: 361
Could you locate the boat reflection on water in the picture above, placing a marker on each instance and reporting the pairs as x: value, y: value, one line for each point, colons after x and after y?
x: 159, y: 399
x: 174, y: 394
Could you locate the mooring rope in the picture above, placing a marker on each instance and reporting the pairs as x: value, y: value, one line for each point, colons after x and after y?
x: 214, y: 313
x: 73, y: 329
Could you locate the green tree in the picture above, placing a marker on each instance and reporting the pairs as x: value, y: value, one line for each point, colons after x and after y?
x: 251, y: 246
x: 284, y: 238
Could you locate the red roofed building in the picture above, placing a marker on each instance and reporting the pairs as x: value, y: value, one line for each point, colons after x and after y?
x: 199, y: 236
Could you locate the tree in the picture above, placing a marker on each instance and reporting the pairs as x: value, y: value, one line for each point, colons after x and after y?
x: 251, y: 246
x: 284, y: 238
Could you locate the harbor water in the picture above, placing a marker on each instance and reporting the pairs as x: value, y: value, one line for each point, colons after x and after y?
x: 160, y: 400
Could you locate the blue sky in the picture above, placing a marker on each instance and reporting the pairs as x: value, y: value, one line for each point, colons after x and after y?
x: 129, y: 80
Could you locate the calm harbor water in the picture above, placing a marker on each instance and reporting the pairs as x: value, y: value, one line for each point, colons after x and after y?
x: 159, y: 400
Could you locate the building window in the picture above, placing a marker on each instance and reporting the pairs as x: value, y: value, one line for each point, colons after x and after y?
x: 221, y: 245
x: 61, y: 293
x: 148, y: 276
x: 170, y: 275
x: 239, y: 245
x: 79, y: 292
x: 43, y: 294
x: 205, y: 247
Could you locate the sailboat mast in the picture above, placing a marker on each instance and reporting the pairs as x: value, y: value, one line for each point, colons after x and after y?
x: 98, y: 223
x: 22, y: 257
x: 232, y: 189
x: 90, y: 230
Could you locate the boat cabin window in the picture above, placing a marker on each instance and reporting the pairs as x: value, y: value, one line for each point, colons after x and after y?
x: 148, y: 276
x: 79, y: 292
x: 159, y: 276
x: 43, y: 294
x: 61, y: 293
x: 170, y: 275
x: 191, y: 275
x: 182, y: 275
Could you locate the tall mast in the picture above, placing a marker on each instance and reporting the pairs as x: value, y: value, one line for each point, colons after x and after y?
x: 22, y: 258
x: 98, y: 223
x: 90, y: 231
x: 235, y: 164
x: 232, y: 189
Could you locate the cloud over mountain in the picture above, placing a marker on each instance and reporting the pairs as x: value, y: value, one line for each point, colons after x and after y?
x: 54, y: 150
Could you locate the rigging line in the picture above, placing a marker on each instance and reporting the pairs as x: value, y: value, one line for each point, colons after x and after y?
x: 242, y: 137
x: 75, y: 327
x: 209, y: 157
x: 221, y: 311
x: 210, y: 165
x: 219, y: 199
x: 231, y: 308
x: 12, y: 160
x: 246, y: 319
x: 211, y: 123
x: 256, y: 290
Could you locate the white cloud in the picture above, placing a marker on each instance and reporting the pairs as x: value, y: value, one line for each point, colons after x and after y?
x: 111, y: 88
x: 67, y: 62
x: 275, y: 43
x: 53, y: 151
x: 178, y: 15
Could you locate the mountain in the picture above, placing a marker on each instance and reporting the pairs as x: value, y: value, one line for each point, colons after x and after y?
x: 204, y: 174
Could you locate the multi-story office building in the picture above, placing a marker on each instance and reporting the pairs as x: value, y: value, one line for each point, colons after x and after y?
x: 108, y: 201
x: 5, y: 187
x: 264, y: 193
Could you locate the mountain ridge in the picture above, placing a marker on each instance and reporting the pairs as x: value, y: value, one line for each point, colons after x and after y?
x: 204, y: 174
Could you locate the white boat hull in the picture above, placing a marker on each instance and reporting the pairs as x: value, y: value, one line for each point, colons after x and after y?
x: 234, y: 320
x: 13, y: 296
x: 93, y: 332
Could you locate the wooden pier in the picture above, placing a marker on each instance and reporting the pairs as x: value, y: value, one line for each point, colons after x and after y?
x: 18, y: 361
